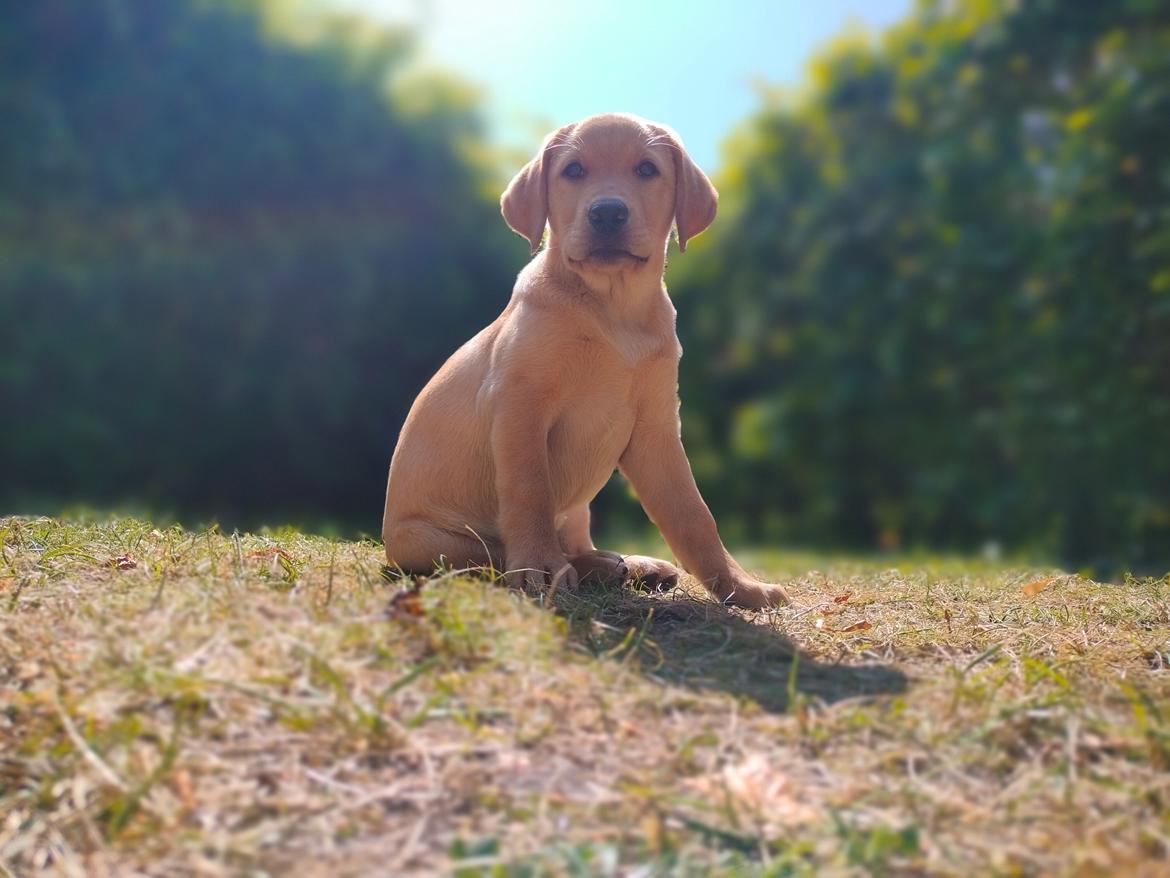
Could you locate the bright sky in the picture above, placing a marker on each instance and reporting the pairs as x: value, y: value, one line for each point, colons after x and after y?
x: 690, y: 64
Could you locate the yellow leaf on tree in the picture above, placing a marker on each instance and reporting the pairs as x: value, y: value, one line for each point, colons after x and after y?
x: 1078, y: 120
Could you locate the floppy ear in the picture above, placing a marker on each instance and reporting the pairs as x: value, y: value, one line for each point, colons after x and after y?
x: 524, y: 203
x: 695, y: 199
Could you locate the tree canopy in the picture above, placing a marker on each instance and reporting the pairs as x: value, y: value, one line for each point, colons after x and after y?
x: 228, y: 258
x: 936, y: 306
x: 934, y: 310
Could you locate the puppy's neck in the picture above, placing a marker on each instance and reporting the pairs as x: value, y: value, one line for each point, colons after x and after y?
x: 628, y: 294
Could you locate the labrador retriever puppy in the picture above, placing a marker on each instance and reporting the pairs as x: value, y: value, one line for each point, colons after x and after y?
x: 504, y: 449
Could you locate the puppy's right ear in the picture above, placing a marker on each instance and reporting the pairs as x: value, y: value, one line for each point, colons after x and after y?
x: 524, y: 203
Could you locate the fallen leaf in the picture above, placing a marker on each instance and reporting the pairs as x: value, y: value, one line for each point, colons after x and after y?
x: 122, y: 562
x: 1036, y: 586
x: 842, y: 598
x: 856, y: 626
x: 407, y: 602
x: 1094, y: 742
x: 270, y: 552
x: 181, y: 783
x: 280, y: 562
x: 760, y: 789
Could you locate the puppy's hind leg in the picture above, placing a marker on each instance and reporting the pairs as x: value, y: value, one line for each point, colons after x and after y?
x: 419, y: 547
x: 590, y: 563
x: 602, y: 566
x: 573, y: 531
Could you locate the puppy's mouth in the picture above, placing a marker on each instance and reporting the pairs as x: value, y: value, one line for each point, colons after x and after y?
x: 612, y: 255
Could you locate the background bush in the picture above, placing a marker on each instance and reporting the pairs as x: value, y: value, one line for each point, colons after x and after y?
x: 936, y: 307
x: 227, y: 263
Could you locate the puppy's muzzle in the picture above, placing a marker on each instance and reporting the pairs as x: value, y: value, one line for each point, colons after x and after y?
x: 608, y: 216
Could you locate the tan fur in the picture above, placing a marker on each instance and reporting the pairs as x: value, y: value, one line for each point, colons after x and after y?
x: 506, y: 446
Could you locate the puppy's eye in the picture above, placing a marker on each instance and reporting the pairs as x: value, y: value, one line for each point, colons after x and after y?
x: 574, y: 171
x: 646, y: 169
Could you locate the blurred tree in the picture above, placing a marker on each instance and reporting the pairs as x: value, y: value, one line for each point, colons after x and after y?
x: 235, y: 242
x: 937, y: 303
x: 231, y: 252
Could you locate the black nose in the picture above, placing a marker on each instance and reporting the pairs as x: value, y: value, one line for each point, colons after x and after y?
x: 608, y: 215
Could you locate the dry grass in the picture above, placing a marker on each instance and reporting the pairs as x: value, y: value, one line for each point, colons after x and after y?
x: 259, y: 705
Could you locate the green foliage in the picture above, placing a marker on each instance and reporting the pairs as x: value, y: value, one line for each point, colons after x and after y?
x: 235, y: 241
x: 936, y: 308
x: 231, y: 252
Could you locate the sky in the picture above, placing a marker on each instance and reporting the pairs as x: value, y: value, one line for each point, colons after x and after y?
x: 692, y: 65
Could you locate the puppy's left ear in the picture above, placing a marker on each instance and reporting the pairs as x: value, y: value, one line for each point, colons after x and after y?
x: 524, y: 203
x: 695, y: 199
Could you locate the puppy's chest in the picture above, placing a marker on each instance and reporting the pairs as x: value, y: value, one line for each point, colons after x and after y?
x: 587, y: 441
x: 619, y: 352
x: 631, y: 345
x: 597, y: 413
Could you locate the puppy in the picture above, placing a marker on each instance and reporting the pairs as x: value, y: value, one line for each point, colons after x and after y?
x: 506, y: 446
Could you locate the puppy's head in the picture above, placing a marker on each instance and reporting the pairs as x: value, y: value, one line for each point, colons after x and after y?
x: 609, y: 188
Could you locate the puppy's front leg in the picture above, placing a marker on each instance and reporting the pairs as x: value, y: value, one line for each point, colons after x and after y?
x: 657, y: 466
x: 532, y: 551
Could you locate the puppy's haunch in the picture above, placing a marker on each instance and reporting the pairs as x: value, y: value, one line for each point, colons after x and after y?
x: 506, y: 446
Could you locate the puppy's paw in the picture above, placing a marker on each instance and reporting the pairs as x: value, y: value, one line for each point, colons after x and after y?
x: 652, y: 574
x: 752, y: 594
x: 538, y: 571
x: 600, y: 568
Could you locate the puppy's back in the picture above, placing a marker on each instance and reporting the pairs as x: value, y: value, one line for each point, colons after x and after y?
x: 441, y: 469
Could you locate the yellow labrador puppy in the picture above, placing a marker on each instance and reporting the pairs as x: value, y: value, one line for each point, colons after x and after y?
x: 506, y: 446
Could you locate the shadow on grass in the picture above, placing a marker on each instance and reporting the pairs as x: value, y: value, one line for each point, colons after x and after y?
x: 703, y: 645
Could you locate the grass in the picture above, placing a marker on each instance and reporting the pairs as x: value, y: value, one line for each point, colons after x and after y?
x: 178, y: 703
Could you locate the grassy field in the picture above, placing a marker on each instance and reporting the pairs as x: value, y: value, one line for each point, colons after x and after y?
x: 178, y: 703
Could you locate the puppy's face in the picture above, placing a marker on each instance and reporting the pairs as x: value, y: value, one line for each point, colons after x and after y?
x: 610, y: 188
x: 610, y: 194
